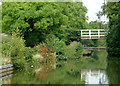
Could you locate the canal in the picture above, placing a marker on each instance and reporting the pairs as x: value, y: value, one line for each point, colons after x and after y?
x: 96, y: 69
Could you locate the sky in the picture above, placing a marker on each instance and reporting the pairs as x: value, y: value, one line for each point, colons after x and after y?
x: 94, y: 6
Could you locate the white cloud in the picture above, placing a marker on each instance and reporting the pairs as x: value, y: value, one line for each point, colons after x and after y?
x: 0, y: 3
x: 93, y: 6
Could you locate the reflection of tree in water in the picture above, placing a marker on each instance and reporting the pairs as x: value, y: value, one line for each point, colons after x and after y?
x: 48, y: 62
x: 42, y: 74
x: 95, y: 55
x: 113, y: 70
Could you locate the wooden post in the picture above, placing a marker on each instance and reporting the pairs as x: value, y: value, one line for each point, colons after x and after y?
x: 81, y: 33
x: 98, y: 33
x: 90, y: 34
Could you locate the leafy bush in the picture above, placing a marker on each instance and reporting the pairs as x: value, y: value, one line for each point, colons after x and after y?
x: 70, y: 52
x: 6, y: 38
x: 5, y: 45
x: 58, y: 45
x: 5, y: 49
x: 49, y: 56
x: 29, y: 54
x: 87, y: 43
x: 79, y: 50
x: 74, y: 50
x: 15, y: 48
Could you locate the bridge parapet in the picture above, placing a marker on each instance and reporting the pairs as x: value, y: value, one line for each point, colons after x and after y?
x: 92, y: 34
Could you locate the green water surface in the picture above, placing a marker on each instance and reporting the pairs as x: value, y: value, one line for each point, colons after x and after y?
x: 97, y: 69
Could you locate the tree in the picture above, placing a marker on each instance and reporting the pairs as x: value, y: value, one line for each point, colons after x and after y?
x: 37, y: 20
x: 112, y: 9
x: 95, y: 25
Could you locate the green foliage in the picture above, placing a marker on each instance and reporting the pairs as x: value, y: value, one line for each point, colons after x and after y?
x: 62, y: 50
x: 87, y: 42
x: 101, y: 43
x: 113, y: 40
x: 79, y: 50
x: 97, y: 25
x: 6, y: 38
x: 114, y: 72
x: 29, y: 55
x: 97, y: 61
x: 16, y: 50
x: 41, y: 19
x: 73, y: 36
x: 5, y: 49
x: 17, y: 45
x: 58, y: 45
x: 76, y: 15
x: 76, y: 20
x: 74, y: 50
x: 70, y: 51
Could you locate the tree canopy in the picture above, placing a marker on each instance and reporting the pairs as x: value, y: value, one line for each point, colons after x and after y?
x: 38, y: 19
x: 112, y: 9
x: 97, y: 25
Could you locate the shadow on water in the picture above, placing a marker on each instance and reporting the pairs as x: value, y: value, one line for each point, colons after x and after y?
x: 113, y: 70
x: 95, y: 70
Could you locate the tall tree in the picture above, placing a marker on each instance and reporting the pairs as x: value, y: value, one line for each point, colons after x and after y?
x: 112, y: 9
x: 37, y: 19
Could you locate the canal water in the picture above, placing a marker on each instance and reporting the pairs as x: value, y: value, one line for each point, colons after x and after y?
x: 97, y: 69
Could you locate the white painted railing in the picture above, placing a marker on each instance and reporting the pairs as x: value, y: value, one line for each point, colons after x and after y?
x: 92, y: 33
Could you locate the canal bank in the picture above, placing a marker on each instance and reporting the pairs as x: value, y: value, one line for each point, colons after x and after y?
x: 80, y: 71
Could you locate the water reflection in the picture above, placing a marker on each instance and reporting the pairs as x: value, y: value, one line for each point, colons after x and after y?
x: 94, y: 76
x: 95, y: 70
x: 113, y: 70
x: 6, y: 79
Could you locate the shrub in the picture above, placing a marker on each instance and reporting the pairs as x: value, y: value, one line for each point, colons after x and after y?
x: 70, y: 52
x: 29, y: 54
x: 48, y: 61
x: 6, y: 38
x: 15, y: 48
x: 58, y: 45
x: 74, y: 50
x: 5, y: 45
x: 79, y: 50
x: 6, y: 50
x: 49, y: 57
x: 44, y: 54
